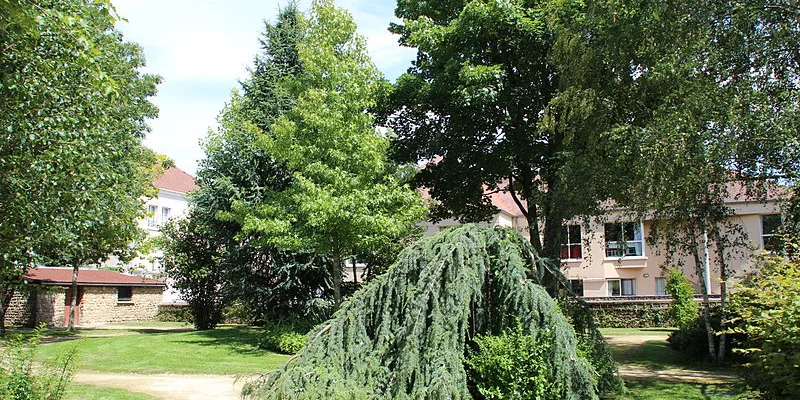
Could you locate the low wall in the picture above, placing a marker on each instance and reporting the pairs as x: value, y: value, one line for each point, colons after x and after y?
x: 634, y: 311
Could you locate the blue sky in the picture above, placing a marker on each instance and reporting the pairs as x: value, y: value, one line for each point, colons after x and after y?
x: 202, y: 49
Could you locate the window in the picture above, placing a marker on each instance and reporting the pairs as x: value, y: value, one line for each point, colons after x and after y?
x: 151, y: 215
x: 124, y: 293
x: 624, y: 239
x: 577, y: 286
x: 770, y: 239
x: 571, y: 243
x: 165, y: 211
x: 661, y: 287
x: 622, y: 287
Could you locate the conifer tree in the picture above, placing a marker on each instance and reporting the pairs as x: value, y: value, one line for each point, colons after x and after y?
x: 271, y: 283
x: 403, y: 336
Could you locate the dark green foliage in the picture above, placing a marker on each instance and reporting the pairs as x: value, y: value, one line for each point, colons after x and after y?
x: 645, y: 315
x: 513, y: 365
x: 692, y: 341
x: 73, y: 106
x: 22, y: 379
x: 268, y: 282
x: 174, y: 313
x: 192, y: 261
x: 404, y: 334
x: 683, y: 310
x: 488, y: 104
x: 284, y: 337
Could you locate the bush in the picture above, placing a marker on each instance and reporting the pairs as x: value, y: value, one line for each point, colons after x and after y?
x: 768, y: 313
x: 683, y: 311
x: 284, y: 337
x: 513, y: 366
x: 19, y: 380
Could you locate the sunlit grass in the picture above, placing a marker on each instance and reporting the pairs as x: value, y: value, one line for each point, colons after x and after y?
x: 221, y: 351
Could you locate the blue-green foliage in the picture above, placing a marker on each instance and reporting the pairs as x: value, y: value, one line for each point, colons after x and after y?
x: 404, y: 335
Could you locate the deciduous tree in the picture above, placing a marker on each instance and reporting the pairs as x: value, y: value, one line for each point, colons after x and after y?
x: 72, y: 109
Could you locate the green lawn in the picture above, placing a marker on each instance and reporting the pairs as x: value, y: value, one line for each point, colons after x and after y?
x: 78, y: 391
x: 658, y: 356
x: 650, y: 389
x: 229, y: 350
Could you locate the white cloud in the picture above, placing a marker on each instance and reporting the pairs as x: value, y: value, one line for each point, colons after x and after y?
x: 202, y: 49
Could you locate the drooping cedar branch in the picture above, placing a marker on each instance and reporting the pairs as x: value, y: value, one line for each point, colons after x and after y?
x: 404, y: 334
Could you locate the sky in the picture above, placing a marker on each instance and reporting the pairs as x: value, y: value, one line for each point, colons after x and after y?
x: 202, y: 48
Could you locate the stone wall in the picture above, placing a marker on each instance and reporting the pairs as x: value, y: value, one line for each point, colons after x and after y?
x: 20, y: 311
x: 100, y: 305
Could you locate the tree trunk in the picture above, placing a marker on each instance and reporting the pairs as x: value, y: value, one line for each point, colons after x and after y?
x: 723, y: 298
x: 73, y: 304
x: 3, y: 306
x: 336, y: 275
x: 702, y: 267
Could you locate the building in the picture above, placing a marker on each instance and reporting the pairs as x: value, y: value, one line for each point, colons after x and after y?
x: 600, y: 267
x: 173, y: 186
x: 103, y: 297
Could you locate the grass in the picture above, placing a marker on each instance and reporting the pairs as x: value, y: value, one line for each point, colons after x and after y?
x: 651, y: 389
x: 78, y: 391
x: 656, y: 355
x: 229, y: 350
x: 157, y: 324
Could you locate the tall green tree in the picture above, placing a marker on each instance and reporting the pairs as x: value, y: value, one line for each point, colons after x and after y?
x: 713, y: 103
x: 72, y: 168
x: 489, y: 108
x: 345, y: 194
x: 270, y: 282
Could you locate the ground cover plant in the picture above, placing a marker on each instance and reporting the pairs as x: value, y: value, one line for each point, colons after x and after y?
x: 22, y: 378
x: 227, y: 350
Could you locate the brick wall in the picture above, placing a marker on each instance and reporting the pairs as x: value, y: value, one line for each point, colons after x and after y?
x: 100, y: 305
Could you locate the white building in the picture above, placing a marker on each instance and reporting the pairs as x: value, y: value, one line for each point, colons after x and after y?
x: 173, y: 185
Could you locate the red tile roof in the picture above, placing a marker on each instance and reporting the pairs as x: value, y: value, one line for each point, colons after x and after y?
x: 87, y: 277
x: 176, y: 180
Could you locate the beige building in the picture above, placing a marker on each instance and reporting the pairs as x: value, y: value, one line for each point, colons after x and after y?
x: 599, y: 265
x: 103, y: 297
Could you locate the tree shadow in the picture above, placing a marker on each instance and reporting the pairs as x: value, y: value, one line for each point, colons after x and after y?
x: 242, y: 340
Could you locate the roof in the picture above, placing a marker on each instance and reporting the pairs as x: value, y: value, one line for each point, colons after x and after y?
x: 87, y: 277
x: 176, y: 180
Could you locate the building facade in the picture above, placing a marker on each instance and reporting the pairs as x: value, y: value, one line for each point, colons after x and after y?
x: 610, y: 257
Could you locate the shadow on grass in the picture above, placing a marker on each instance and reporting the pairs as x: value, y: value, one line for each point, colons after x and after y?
x: 658, y: 389
x: 243, y: 340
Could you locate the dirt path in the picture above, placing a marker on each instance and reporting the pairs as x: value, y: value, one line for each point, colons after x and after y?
x: 168, y: 386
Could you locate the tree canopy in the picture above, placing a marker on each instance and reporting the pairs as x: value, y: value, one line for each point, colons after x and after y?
x: 345, y: 195
x: 490, y: 106
x: 73, y: 107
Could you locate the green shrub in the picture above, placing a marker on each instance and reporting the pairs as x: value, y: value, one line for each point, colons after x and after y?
x: 21, y: 380
x: 683, y: 310
x: 768, y: 313
x: 284, y: 337
x: 513, y: 366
